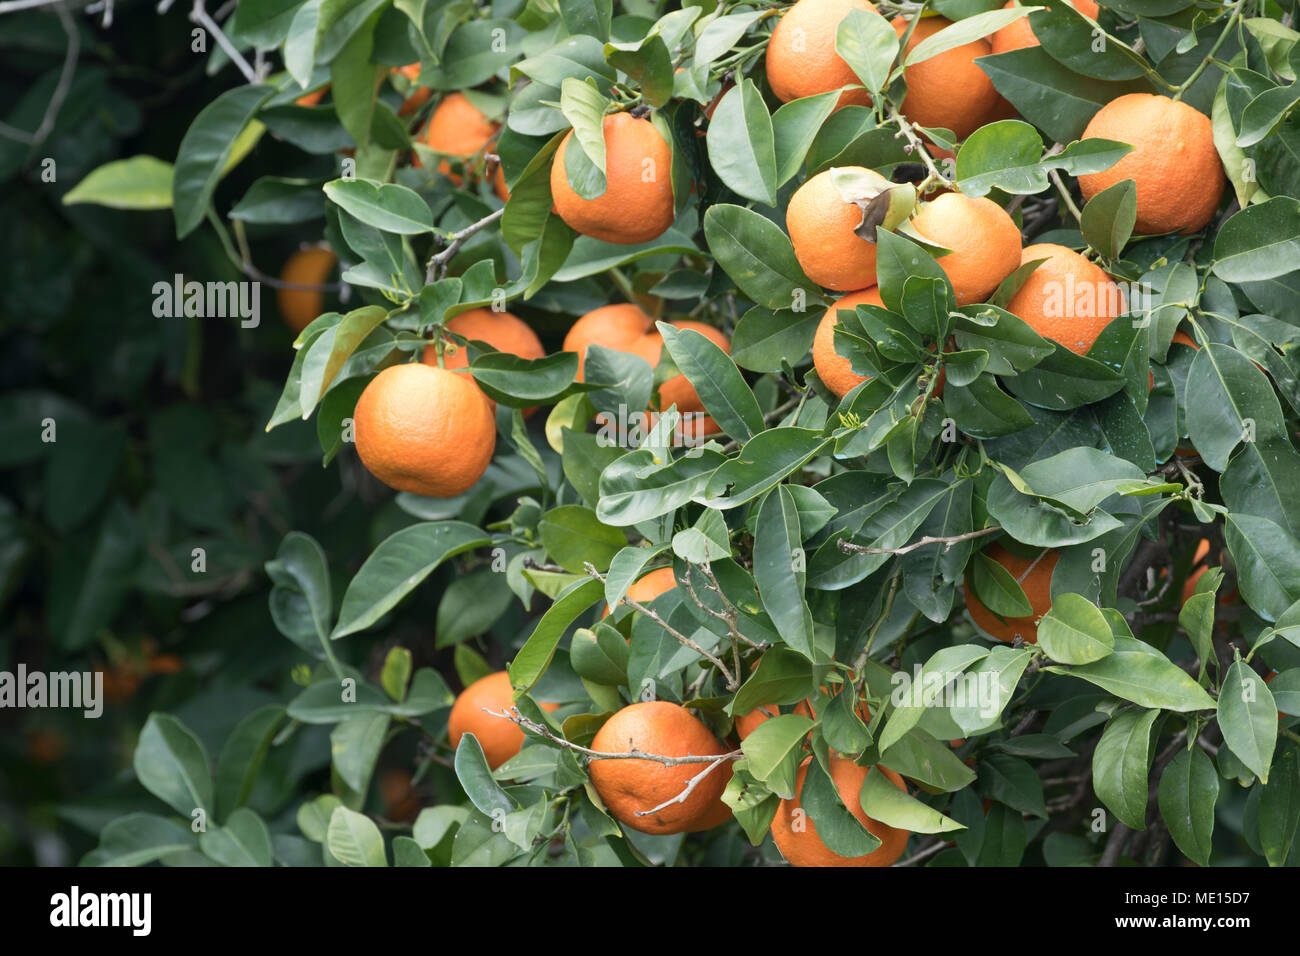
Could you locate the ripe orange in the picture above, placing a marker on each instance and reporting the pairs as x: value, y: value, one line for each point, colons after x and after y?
x: 648, y: 587
x: 1019, y: 34
x: 629, y: 786
x: 948, y: 91
x: 401, y: 801
x: 796, y: 834
x: 499, y: 738
x: 312, y: 98
x: 984, y: 240
x: 1035, y: 577
x: 425, y: 430
x: 1067, y: 298
x: 821, y: 224
x: 832, y: 368
x: 310, y: 266
x: 801, y: 57
x: 419, y: 96
x: 637, y: 204
x: 746, y: 723
x: 460, y: 132
x: 677, y: 390
x: 504, y: 331
x: 1174, y: 162
x: 615, y: 326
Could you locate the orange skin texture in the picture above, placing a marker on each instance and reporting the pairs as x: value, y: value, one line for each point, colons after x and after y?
x: 648, y: 587
x: 615, y: 326
x: 499, y: 738
x: 801, y: 58
x: 629, y: 786
x: 948, y: 91
x: 311, y: 266
x: 425, y: 430
x: 1019, y: 34
x: 806, y: 848
x: 984, y: 240
x: 832, y: 368
x: 678, y: 390
x: 1179, y: 176
x: 458, y: 130
x: 821, y: 227
x: 1037, y: 585
x: 1070, y: 284
x: 419, y: 96
x: 631, y: 210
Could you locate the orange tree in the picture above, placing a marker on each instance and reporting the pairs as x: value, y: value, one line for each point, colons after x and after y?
x: 997, y: 572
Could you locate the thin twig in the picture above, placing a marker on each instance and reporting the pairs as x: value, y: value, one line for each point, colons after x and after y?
x: 848, y: 547
x: 200, y: 16
x: 437, y: 266
x: 690, y: 787
x: 545, y: 732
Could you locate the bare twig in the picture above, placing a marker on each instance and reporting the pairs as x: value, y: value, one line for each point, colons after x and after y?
x: 437, y: 266
x: 42, y: 132
x: 514, y: 715
x: 200, y: 16
x: 848, y: 547
x: 923, y: 854
x: 689, y: 789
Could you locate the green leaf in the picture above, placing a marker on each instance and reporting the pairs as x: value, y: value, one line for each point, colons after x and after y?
x: 171, y: 764
x: 242, y: 757
x: 1268, y: 563
x: 1012, y: 781
x: 1248, y: 718
x: 520, y: 382
x: 998, y: 590
x: 763, y: 339
x: 1279, y: 809
x: 1259, y: 242
x: 741, y: 145
x: 717, y: 381
x: 206, y: 147
x: 243, y: 841
x: 757, y: 256
x: 779, y: 570
x: 1189, y: 788
x: 1075, y: 631
x: 1120, y: 765
x: 354, y: 839
x: 794, y: 125
x: 141, y: 182
x: 397, y: 566
x: 470, y: 605
x: 355, y: 743
x: 868, y: 43
x: 773, y: 750
x: 836, y: 826
x: 475, y: 776
x: 535, y: 656
x: 893, y: 807
x: 763, y: 462
x: 1109, y: 217
x: 138, y: 839
x: 1138, y: 672
x: 1228, y: 401
x: 639, y: 486
x: 396, y: 673
x: 386, y: 206
x: 573, y: 536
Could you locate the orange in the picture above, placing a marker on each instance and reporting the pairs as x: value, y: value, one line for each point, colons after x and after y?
x: 832, y: 368
x: 650, y: 586
x: 678, y: 390
x: 1179, y: 176
x: 312, y: 98
x: 637, y: 204
x: 308, y: 267
x: 821, y: 224
x: 419, y: 96
x: 1019, y: 34
x: 460, y: 132
x: 500, y: 738
x: 801, y: 57
x: 504, y: 331
x: 984, y: 240
x: 425, y: 430
x: 948, y: 91
x: 615, y: 326
x: 796, y: 834
x: 401, y: 802
x: 1067, y: 298
x: 631, y: 786
x: 1035, y: 577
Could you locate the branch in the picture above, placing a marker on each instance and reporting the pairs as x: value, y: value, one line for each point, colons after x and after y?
x: 39, y: 135
x: 437, y: 266
x: 690, y: 786
x: 732, y: 682
x: 848, y: 547
x: 924, y: 854
x: 200, y: 16
x: 545, y: 732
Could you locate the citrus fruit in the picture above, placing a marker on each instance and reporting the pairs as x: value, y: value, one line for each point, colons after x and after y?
x: 746, y: 723
x: 1035, y: 577
x: 637, y: 204
x: 677, y: 390
x: 500, y: 738
x: 425, y: 430
x: 312, y: 98
x: 984, y: 240
x: 419, y: 94
x: 1174, y: 162
x: 648, y: 587
x: 459, y: 131
x: 801, y: 57
x: 615, y: 327
x: 796, y: 834
x: 1067, y: 298
x: 948, y: 91
x: 630, y: 786
x: 504, y: 331
x: 309, y: 267
x: 1019, y: 34
x: 401, y: 801
x: 821, y: 224
x: 833, y: 369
